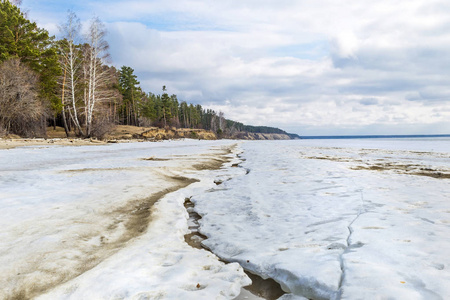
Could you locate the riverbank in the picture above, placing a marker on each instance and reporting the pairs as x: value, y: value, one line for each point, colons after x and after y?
x: 127, y: 134
x: 10, y: 143
x: 120, y: 134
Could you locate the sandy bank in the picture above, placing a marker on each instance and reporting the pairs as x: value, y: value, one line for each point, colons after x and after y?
x: 120, y: 134
x: 13, y: 143
x: 127, y: 134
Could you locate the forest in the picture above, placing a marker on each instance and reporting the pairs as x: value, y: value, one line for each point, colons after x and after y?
x: 70, y: 82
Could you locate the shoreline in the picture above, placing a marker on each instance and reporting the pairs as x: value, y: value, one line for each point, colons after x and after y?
x: 128, y: 134
x: 11, y: 143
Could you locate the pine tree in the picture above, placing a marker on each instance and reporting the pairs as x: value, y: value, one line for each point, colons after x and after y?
x: 165, y: 102
x: 23, y: 39
x: 130, y: 90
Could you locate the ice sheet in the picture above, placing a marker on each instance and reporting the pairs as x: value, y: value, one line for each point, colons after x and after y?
x: 327, y: 219
x: 337, y: 219
x: 74, y: 219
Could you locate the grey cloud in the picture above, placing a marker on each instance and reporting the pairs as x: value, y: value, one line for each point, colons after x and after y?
x: 369, y: 101
x: 380, y: 87
x: 432, y: 94
x: 235, y: 55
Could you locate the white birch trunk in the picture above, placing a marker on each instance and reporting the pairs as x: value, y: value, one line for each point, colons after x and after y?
x: 71, y: 66
x: 95, y: 77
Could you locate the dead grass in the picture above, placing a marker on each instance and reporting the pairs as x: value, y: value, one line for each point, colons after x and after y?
x: 120, y: 133
x: 58, y: 133
x: 156, y: 133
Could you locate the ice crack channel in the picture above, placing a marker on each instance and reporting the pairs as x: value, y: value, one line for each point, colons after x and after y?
x: 361, y: 211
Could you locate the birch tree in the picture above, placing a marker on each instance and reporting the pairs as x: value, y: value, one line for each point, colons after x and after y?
x: 70, y: 61
x: 96, y: 76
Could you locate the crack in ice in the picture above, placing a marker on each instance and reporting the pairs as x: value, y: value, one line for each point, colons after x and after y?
x: 349, y: 236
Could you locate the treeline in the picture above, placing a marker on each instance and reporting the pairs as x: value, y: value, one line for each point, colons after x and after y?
x: 68, y: 82
x: 255, y: 129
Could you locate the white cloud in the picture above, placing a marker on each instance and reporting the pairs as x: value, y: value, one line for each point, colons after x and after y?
x: 346, y: 44
x: 381, y: 65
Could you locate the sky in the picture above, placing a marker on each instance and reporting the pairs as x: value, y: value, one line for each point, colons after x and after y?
x: 317, y: 67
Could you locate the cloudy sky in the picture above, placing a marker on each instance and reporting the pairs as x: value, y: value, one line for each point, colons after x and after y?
x: 313, y: 67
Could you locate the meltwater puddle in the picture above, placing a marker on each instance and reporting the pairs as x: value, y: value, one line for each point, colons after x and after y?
x: 260, y: 288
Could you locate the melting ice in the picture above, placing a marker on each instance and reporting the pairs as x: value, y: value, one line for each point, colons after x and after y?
x: 327, y: 219
x: 338, y: 219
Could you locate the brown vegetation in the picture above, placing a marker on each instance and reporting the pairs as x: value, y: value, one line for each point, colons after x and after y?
x: 121, y: 133
x: 20, y: 110
x: 155, y: 133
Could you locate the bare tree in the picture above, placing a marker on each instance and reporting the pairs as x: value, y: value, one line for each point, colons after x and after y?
x: 222, y: 121
x: 97, y: 77
x: 71, y: 64
x: 21, y: 111
x: 214, y: 123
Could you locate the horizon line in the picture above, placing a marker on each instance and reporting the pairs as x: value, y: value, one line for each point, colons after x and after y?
x: 373, y: 136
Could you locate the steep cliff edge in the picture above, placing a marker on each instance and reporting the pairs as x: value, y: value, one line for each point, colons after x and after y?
x: 260, y: 136
x: 127, y: 132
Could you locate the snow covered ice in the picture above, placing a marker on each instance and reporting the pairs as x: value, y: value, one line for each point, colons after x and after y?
x: 327, y: 219
x: 74, y: 223
x: 332, y: 219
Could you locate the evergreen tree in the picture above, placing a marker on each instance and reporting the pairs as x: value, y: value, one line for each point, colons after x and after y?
x: 148, y: 108
x: 165, y: 106
x: 128, y: 86
x: 23, y: 39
